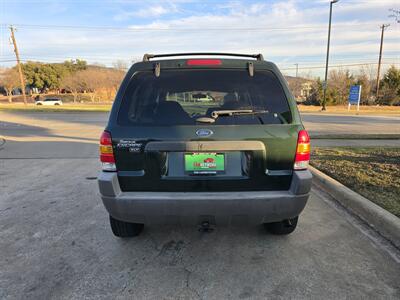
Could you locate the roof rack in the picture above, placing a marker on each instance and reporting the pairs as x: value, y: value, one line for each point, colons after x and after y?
x: 147, y: 57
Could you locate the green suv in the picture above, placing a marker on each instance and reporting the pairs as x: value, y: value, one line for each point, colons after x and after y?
x: 239, y: 157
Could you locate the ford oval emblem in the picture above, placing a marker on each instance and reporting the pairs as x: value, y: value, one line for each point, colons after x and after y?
x: 204, y: 132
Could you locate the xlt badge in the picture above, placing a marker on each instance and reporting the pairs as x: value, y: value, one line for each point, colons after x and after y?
x: 131, y: 145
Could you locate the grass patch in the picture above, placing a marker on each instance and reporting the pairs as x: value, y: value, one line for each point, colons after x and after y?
x: 54, y: 108
x: 343, y: 110
x: 350, y: 136
x: 373, y: 172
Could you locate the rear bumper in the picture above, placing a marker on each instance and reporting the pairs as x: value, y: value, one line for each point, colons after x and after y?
x: 215, y: 207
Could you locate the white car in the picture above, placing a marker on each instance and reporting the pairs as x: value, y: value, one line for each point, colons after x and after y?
x: 49, y: 101
x: 203, y: 98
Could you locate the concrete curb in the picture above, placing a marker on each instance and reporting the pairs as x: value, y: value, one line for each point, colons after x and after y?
x: 387, y: 224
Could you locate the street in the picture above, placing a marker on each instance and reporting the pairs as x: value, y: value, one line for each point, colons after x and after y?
x: 75, y: 135
x: 55, y: 240
x: 320, y: 124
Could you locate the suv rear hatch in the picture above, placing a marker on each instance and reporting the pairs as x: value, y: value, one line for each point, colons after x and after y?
x: 204, y: 128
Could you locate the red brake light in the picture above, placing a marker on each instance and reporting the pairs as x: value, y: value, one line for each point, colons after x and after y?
x: 106, y: 152
x: 302, y: 151
x: 204, y: 62
x: 105, y: 138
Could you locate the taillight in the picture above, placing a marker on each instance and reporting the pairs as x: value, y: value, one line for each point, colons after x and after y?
x: 303, y: 151
x: 204, y: 62
x: 106, y: 152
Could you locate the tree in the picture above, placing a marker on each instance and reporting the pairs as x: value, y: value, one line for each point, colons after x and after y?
x: 75, y: 65
x: 338, y: 88
x: 113, y: 80
x: 316, y: 93
x: 96, y: 78
x: 395, y: 14
x: 93, y: 80
x: 390, y: 92
x: 367, y: 79
x: 339, y: 85
x: 120, y: 65
x: 363, y: 80
x: 42, y: 76
x: 50, y: 76
x: 10, y: 81
x: 74, y: 83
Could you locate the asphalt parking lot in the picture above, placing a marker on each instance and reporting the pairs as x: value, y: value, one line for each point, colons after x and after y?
x: 55, y: 240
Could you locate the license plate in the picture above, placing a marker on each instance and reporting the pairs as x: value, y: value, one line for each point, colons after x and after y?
x: 204, y: 163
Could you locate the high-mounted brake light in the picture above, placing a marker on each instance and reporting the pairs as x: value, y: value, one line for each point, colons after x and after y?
x: 204, y: 62
x: 303, y: 151
x: 106, y: 152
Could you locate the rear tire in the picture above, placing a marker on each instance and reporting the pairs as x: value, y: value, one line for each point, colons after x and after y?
x: 282, y: 227
x: 125, y: 229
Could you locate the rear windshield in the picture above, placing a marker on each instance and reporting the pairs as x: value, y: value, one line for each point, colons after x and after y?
x: 189, y: 97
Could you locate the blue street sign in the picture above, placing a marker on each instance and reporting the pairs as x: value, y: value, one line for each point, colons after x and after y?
x: 355, y: 94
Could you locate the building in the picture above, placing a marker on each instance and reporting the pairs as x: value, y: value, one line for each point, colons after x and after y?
x: 300, y: 87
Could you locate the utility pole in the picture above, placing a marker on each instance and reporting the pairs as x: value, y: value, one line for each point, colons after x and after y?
x: 21, y: 75
x: 297, y: 69
x: 327, y: 54
x: 380, y: 60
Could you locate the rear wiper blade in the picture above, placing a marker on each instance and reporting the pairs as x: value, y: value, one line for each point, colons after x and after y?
x: 217, y: 113
x: 221, y: 113
x: 226, y: 113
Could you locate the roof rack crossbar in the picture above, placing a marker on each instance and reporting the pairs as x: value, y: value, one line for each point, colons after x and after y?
x: 147, y: 57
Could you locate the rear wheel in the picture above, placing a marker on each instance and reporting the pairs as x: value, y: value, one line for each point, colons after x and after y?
x: 282, y: 227
x: 125, y: 229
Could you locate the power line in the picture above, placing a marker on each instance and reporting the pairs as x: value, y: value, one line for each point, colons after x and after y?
x: 339, y: 66
x: 138, y: 29
x: 338, y: 61
x: 314, y: 60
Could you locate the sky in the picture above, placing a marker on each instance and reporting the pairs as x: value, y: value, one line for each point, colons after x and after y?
x: 286, y: 32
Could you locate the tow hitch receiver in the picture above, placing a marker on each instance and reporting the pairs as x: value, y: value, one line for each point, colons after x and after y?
x: 206, y: 227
